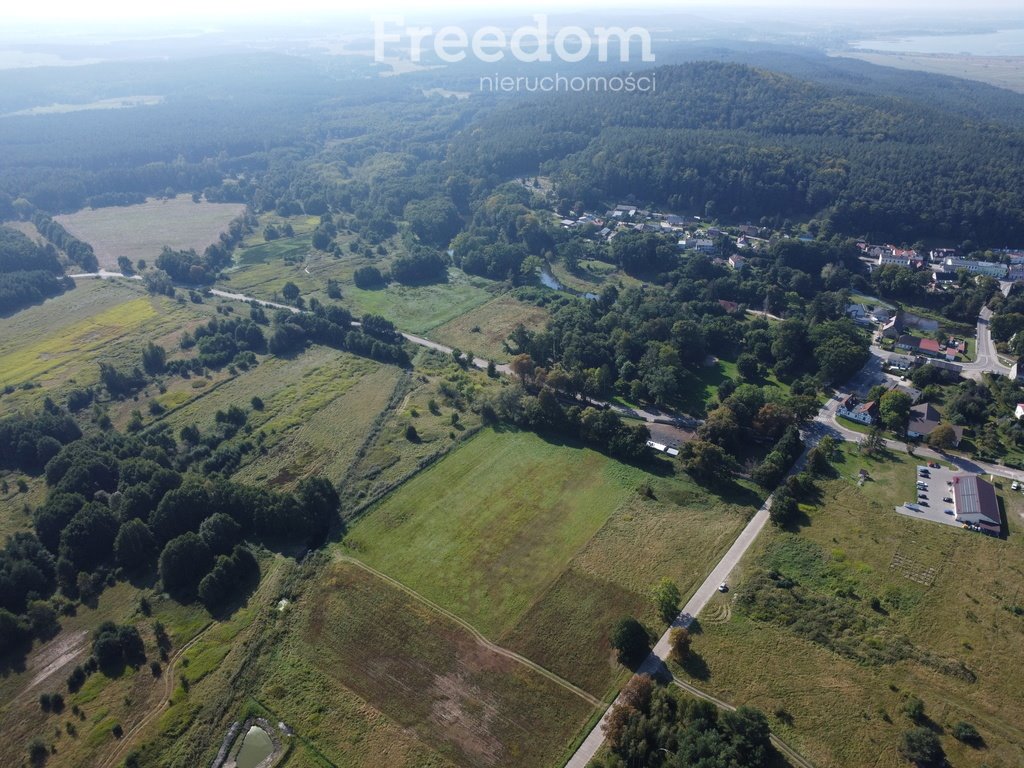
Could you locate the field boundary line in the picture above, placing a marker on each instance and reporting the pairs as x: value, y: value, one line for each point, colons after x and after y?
x: 589, y: 698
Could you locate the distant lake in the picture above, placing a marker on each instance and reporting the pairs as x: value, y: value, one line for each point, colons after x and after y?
x: 1005, y: 42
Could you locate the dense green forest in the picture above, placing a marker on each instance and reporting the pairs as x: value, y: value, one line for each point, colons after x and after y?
x: 28, y: 273
x: 742, y: 143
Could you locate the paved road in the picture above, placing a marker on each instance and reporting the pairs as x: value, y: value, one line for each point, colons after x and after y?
x: 654, y: 664
x: 828, y: 424
x: 985, y: 357
x: 651, y: 415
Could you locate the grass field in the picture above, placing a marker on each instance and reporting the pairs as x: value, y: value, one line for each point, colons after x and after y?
x: 592, y: 276
x: 141, y: 231
x: 486, y: 549
x: 483, y: 330
x: 388, y: 457
x: 555, y: 533
x: 425, y: 673
x: 418, y: 309
x: 58, y: 344
x: 262, y: 270
x: 317, y: 409
x: 103, y: 701
x: 947, y: 597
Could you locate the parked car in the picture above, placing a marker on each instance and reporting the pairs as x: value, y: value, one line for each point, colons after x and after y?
x: 947, y: 499
x: 933, y: 465
x: 1015, y: 486
x: 723, y: 587
x: 949, y: 512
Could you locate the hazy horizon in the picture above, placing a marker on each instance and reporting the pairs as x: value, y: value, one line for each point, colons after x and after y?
x: 59, y: 13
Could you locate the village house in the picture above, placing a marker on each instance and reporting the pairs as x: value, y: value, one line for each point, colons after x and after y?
x: 699, y: 244
x: 863, y: 413
x: 1019, y: 413
x: 924, y: 419
x: 1017, y: 371
x: 990, y: 268
x: 929, y: 347
x: 737, y: 262
x: 893, y: 329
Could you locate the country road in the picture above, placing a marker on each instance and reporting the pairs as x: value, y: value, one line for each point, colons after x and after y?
x: 650, y: 415
x: 827, y: 422
x: 654, y: 664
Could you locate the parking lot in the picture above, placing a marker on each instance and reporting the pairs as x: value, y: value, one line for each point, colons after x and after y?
x: 929, y: 501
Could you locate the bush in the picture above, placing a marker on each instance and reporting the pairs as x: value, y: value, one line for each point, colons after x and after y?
x: 921, y: 747
x: 913, y: 708
x: 680, y: 643
x: 76, y: 679
x: 38, y: 751
x: 966, y: 733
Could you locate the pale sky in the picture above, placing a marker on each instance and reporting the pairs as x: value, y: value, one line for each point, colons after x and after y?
x: 103, y: 11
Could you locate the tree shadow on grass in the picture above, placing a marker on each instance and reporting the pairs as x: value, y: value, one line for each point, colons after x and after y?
x: 13, y: 662
x: 734, y: 493
x: 696, y: 667
x: 238, y: 600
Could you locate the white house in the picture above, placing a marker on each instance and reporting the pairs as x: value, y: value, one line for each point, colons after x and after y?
x: 1019, y: 413
x: 852, y: 408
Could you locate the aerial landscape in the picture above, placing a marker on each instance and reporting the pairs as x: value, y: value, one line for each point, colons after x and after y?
x: 554, y: 386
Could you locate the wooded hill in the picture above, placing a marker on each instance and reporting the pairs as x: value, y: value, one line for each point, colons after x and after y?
x: 733, y: 141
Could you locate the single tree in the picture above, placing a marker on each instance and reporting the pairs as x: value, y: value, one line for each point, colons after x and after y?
x: 680, y: 644
x: 942, y: 437
x: 630, y: 639
x: 966, y: 733
x: 666, y: 599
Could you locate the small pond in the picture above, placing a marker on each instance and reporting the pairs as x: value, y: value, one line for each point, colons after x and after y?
x: 257, y: 746
x: 550, y: 281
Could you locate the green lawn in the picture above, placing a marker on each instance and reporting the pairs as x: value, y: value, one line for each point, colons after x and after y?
x: 833, y: 672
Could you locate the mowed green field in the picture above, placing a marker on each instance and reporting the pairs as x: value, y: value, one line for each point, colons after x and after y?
x: 418, y: 309
x: 471, y: 706
x: 141, y: 231
x: 483, y: 330
x: 542, y: 547
x: 953, y: 594
x: 487, y: 529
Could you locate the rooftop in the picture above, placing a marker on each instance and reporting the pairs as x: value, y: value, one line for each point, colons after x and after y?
x: 975, y: 496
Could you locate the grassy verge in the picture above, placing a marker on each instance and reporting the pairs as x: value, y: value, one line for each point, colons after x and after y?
x: 834, y: 671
